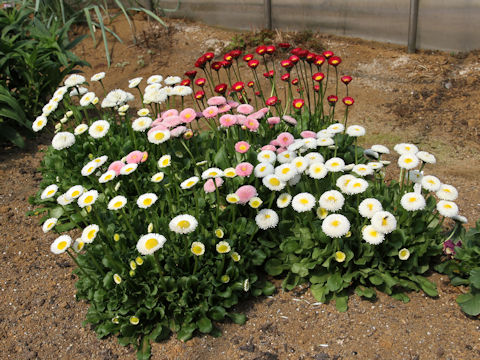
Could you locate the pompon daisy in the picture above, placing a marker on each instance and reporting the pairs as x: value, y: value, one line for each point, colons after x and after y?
x: 332, y: 200
x: 314, y: 157
x: 285, y: 172
x: 355, y: 130
x: 325, y: 134
x: 272, y: 182
x: 325, y: 141
x: 164, y: 161
x: 117, y: 203
x: 340, y: 256
x: 149, y: 243
x: 369, y: 207
x: 229, y: 172
x: 297, y: 144
x: 78, y: 91
x: 284, y: 200
x: 117, y: 279
x: 408, y: 161
x: 197, y: 248
x: 372, y: 236
x: 134, y: 320
x: 295, y: 180
x: 335, y: 128
x: 255, y: 202
x: 335, y: 225
x: 381, y: 149
x: 348, y: 167
x: 403, y: 148
x: 87, y: 98
x: 98, y: 76
x: 267, y: 156
x: 404, y: 254
x: 286, y: 157
x: 172, y: 80
x: 128, y: 169
x: 90, y: 233
x: 300, y: 164
x: 78, y: 245
x: 375, y: 165
x: 61, y: 244
x: 154, y: 79
x: 49, y: 192
x: 310, y: 143
x: 303, y: 202
x: 158, y: 136
x: 87, y: 198
x: 233, y: 198
x: 89, y: 168
x: 426, y: 157
x: 335, y: 164
x: 63, y: 200
x: 63, y: 140
x: 39, y: 123
x: 384, y: 222
x: 212, y: 173
x: 343, y: 181
x: 447, y: 192
x: 75, y: 191
x: 80, y: 129
x: 263, y: 169
x: 99, y: 129
x: 183, y: 224
x: 132, y: 83
x: 447, y: 208
x: 99, y: 161
x: 107, y: 176
x: 143, y: 112
x: 322, y: 213
x: 266, y: 219
x: 431, y: 183
x: 235, y: 256
x: 223, y: 247
x: 362, y: 169
x: 49, y: 224
x: 190, y: 182
x: 74, y: 80
x: 144, y: 201
x: 142, y: 123
x: 370, y: 154
x: 246, y: 283
x: 413, y: 202
x: 62, y: 90
x: 317, y: 170
x: 356, y: 186
x: 158, y: 177
x: 219, y: 233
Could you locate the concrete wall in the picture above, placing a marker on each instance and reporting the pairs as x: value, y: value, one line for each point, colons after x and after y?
x: 442, y: 24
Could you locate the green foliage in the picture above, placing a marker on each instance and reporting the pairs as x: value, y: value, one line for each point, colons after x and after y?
x: 34, y: 60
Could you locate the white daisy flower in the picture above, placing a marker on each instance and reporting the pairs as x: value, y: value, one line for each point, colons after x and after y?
x: 343, y: 181
x: 431, y: 183
x: 158, y: 177
x: 61, y: 244
x: 372, y: 235
x: 62, y: 90
x: 190, y: 182
x: 263, y: 169
x: 297, y: 144
x: 303, y: 202
x: 404, y: 254
x: 285, y: 172
x: 78, y: 91
x: 64, y: 200
x: 63, y: 140
x: 267, y: 156
x: 335, y: 225
x: 128, y: 169
x: 284, y: 200
x: 460, y: 218
x: 413, y: 202
x: 181, y: 90
x: 447, y: 208
x: 300, y: 164
x: 426, y: 157
x: 39, y: 123
x: 87, y: 98
x: 49, y: 192
x: 183, y: 224
x: 324, y: 133
x: 89, y: 168
x: 362, y: 169
x: 74, y: 80
x: 49, y: 224
x: 99, y: 161
x: 266, y: 219
x: 335, y: 128
x: 286, y: 157
x: 322, y: 213
x: 164, y: 161
x: 154, y: 79
x: 349, y: 167
x: 230, y: 172
x: 313, y: 157
x: 255, y: 202
x: 98, y: 76
x: 75, y: 191
x: 144, y: 201
x: 132, y: 83
x: 335, y: 164
x: 87, y: 198
x: 153, y: 87
x: 212, y: 173
x: 415, y: 176
x: 325, y: 141
x: 197, y: 248
x: 107, y: 176
x: 158, y: 136
x: 80, y: 129
x: 232, y: 198
x: 90, y: 233
x: 381, y: 149
x: 123, y: 109
x: 384, y: 222
x: 408, y: 161
x: 172, y: 80
x: 99, y: 129
x: 142, y: 124
x: 310, y: 143
x: 403, y: 149
x: 223, y: 247
x: 78, y: 245
x: 447, y: 192
x: 117, y: 202
x: 355, y: 130
x: 369, y: 207
x: 143, y: 112
x: 272, y: 182
x: 295, y: 180
x: 332, y: 200
x: 317, y: 170
x: 356, y: 186
x: 375, y: 165
x: 369, y: 153
x: 149, y: 243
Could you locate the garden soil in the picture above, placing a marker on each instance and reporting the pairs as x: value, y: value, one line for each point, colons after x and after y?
x: 428, y: 98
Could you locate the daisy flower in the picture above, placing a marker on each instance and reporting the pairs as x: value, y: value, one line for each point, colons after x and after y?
x: 245, y: 109
x: 317, y: 170
x: 273, y: 183
x: 297, y: 144
x: 369, y: 207
x: 245, y: 193
x: 87, y: 198
x: 300, y: 164
x: 431, y: 183
x: 242, y: 147
x: 133, y: 319
x: 74, y: 80
x: 384, y: 222
x: 90, y: 233
x: 216, y: 101
x: 403, y: 254
x: 107, y: 176
x: 408, y: 161
x: 190, y: 182
x: 413, y: 201
x: 49, y: 192
x: 255, y: 202
x: 197, y: 248
x: 285, y: 172
x: 303, y: 202
x: 362, y: 169
x: 343, y: 181
x: 381, y: 149
x: 49, y: 224
x: 266, y: 219
x: 335, y: 128
x: 426, y: 157
x: 89, y: 168
x: 98, y: 129
x: 325, y: 134
x: 340, y: 256
x: 325, y: 141
x: 172, y: 80
x: 144, y: 201
x: 447, y: 208
x: 61, y: 244
x: 322, y: 213
x: 117, y: 279
x: 143, y: 112
x: 78, y: 245
x: 235, y: 256
x: 158, y: 136
x: 132, y: 83
x: 335, y: 164
x: 356, y: 186
x: 211, y: 186
x: 372, y: 236
x: 80, y: 129
x: 142, y: 123
x: 332, y: 200
x: 98, y: 76
x: 219, y: 233
x: 223, y: 247
x: 285, y: 139
x: 355, y: 130
x: 229, y: 172
x: 39, y: 123
x: 313, y: 157
x: 212, y: 173
x: 447, y: 192
x: 149, y: 243
x: 227, y: 120
x: 87, y: 98
x: 335, y: 225
x: 284, y: 200
x: 375, y: 165
x: 183, y: 224
x: 63, y: 200
x: 210, y: 112
x: 78, y: 91
x: 75, y: 191
x: 154, y: 79
x: 266, y: 156
x: 232, y: 198
x: 63, y: 140
x: 164, y: 161
x: 128, y: 169
x: 403, y: 149
x: 286, y: 157
x: 117, y: 202
x: 244, y: 169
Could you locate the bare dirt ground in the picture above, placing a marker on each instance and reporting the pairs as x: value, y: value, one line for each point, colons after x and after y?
x: 428, y: 98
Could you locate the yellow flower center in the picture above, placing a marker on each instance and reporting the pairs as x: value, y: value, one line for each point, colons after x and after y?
x: 356, y: 185
x: 90, y: 169
x: 213, y: 173
x: 197, y: 250
x: 266, y: 156
x: 147, y: 202
x: 408, y: 160
x: 412, y: 199
x: 88, y: 199
x: 373, y: 233
x: 335, y: 223
x: 151, y: 243
x: 75, y: 193
x: 190, y: 183
x: 243, y: 147
x: 62, y: 245
x: 49, y: 225
x: 108, y: 177
x: 222, y: 248
x: 91, y: 234
x: 446, y: 190
x: 287, y: 156
x: 304, y: 201
x: 335, y: 164
x: 370, y: 207
x: 40, y: 123
x: 331, y: 198
x: 165, y: 162
x: 184, y: 224
x: 447, y: 206
x: 118, y: 204
x: 285, y: 171
x: 384, y: 221
x: 50, y: 192
x: 262, y: 169
x: 159, y: 136
x: 188, y: 116
x: 274, y: 182
x: 99, y: 128
x: 267, y: 216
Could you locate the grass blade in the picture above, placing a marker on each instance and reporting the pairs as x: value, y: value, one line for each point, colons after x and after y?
x: 104, y: 35
x: 149, y: 13
x: 90, y: 25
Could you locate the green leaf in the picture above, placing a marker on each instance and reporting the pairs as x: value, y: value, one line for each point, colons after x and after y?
x: 239, y: 319
x: 12, y: 135
x: 145, y: 349
x: 274, y: 267
x: 470, y: 303
x: 427, y: 286
x: 319, y: 292
x: 376, y: 280
x: 57, y: 212
x: 335, y: 282
x: 258, y: 257
x: 475, y: 277
x: 299, y: 269
x: 217, y: 313
x: 268, y: 289
x: 205, y: 325
x: 401, y: 296
x: 341, y: 303
x: 186, y: 332
x: 366, y: 292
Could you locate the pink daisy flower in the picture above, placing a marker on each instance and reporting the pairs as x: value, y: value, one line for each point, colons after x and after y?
x: 134, y: 157
x: 281, y: 149
x: 264, y: 110
x: 285, y: 138
x: 168, y: 113
x: 210, y: 112
x: 233, y: 104
x: 245, y: 109
x: 290, y: 120
x: 179, y: 130
x: 216, y: 101
x: 241, y: 119
x: 244, y: 169
x: 245, y: 193
x: 116, y: 166
x: 188, y: 115
x: 172, y: 121
x: 257, y: 115
x: 224, y: 108
x: 273, y: 120
x: 209, y: 185
x: 228, y: 120
x: 308, y: 134
x: 252, y: 124
x: 269, y: 147
x: 275, y: 142
x: 144, y: 156
x: 242, y: 147
x: 156, y: 128
x: 158, y: 122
